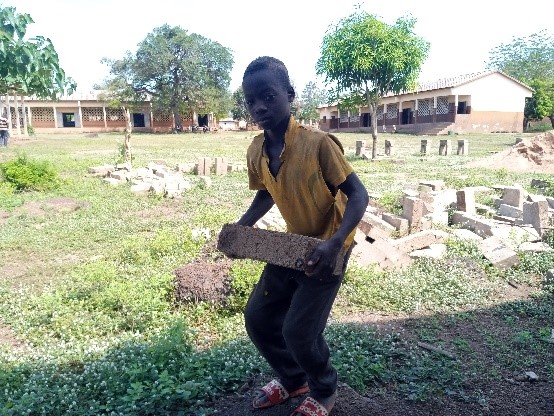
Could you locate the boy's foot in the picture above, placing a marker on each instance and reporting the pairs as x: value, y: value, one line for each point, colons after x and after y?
x: 313, y: 407
x: 273, y: 393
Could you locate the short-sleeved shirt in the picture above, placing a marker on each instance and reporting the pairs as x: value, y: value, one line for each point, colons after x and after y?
x: 310, y: 158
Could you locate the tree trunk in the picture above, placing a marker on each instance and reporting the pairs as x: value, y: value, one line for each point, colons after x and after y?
x: 17, y: 118
x: 178, y: 121
x: 127, y: 140
x: 25, y: 123
x: 551, y: 117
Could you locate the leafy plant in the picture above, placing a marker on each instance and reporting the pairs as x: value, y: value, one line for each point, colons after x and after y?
x: 29, y: 175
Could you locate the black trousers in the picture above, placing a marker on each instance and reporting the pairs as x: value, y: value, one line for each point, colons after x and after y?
x: 285, y: 317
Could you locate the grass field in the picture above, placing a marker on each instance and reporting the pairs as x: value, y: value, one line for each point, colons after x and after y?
x: 89, y: 324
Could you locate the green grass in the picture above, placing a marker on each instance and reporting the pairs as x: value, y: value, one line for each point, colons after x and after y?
x: 86, y: 296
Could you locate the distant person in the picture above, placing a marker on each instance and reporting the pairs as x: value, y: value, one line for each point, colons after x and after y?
x: 304, y: 172
x: 4, y: 133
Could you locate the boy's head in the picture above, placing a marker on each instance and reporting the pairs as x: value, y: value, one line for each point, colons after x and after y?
x: 268, y: 91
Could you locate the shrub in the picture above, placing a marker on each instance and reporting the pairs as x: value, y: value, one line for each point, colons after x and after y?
x: 29, y: 175
x: 244, y: 275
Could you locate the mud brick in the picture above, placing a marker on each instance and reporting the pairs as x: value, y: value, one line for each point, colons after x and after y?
x: 360, y: 146
x: 364, y: 253
x: 536, y: 214
x: 425, y: 146
x: 444, y: 147
x: 463, y: 147
x: 401, y: 224
x: 274, y: 247
x: 514, y: 196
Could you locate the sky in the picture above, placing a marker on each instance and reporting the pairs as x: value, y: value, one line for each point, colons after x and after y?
x: 461, y: 33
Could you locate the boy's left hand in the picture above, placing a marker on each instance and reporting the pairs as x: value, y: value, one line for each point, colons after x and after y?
x: 322, y: 259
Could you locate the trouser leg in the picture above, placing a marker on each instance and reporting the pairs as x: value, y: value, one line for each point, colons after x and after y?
x: 303, y: 332
x: 264, y: 315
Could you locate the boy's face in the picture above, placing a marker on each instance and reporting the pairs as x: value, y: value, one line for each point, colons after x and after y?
x: 267, y: 99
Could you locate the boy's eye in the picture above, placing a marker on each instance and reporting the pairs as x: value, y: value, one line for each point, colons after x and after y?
x: 269, y: 97
x: 249, y: 102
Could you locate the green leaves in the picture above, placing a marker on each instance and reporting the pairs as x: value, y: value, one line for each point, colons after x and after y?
x: 28, y: 67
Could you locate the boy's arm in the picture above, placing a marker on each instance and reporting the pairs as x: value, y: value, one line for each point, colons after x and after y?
x: 324, y: 256
x: 262, y: 202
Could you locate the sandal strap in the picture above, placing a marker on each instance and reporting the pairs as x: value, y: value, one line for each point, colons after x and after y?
x: 311, y: 407
x: 275, y: 392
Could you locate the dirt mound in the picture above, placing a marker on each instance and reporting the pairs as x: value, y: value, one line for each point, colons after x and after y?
x: 202, y: 281
x: 532, y: 154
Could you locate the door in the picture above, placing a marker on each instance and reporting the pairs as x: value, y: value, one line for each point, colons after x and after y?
x: 68, y: 119
x: 138, y: 120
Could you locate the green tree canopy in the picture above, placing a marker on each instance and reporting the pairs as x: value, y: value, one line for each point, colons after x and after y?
x: 365, y: 59
x: 181, y: 71
x: 312, y: 96
x: 530, y: 60
x: 239, y: 110
x: 28, y: 67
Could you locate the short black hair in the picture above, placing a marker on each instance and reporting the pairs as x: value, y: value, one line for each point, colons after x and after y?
x: 272, y: 64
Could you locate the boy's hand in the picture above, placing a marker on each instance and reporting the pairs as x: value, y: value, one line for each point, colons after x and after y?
x: 322, y: 259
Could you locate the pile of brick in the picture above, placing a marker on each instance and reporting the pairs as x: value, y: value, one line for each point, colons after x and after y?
x: 430, y: 216
x: 160, y: 179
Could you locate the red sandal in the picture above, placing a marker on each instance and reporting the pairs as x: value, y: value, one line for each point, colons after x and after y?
x: 277, y: 394
x: 310, y: 407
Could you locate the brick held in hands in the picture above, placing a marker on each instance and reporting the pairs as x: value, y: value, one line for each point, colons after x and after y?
x: 274, y: 247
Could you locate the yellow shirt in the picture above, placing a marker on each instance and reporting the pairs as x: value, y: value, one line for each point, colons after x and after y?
x: 310, y: 158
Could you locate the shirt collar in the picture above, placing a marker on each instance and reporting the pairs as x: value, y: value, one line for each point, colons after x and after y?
x: 290, y: 136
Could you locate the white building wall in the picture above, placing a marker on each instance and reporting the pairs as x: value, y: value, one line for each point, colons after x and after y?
x: 494, y: 92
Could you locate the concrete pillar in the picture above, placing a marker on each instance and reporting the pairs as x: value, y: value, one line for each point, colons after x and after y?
x: 55, y: 117
x: 388, y: 147
x: 425, y: 146
x: 105, y: 117
x: 463, y: 147
x: 444, y: 147
x: 80, y: 113
x: 204, y: 166
x: 360, y: 146
x: 220, y: 165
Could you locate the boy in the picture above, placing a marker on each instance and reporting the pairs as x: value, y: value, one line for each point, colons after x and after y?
x: 305, y: 173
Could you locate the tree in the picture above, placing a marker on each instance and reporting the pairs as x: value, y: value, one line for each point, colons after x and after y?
x: 239, y: 110
x: 366, y: 59
x: 530, y: 60
x: 28, y: 67
x: 182, y: 72
x: 312, y: 96
x: 118, y: 92
x: 31, y: 66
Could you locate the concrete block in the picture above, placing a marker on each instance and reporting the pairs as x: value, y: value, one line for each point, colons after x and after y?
x: 510, y: 211
x: 436, y: 185
x: 389, y: 147
x: 464, y: 234
x: 393, y: 254
x: 364, y: 253
x: 412, y: 210
x: 514, y: 196
x: 550, y: 201
x: 478, y: 225
x: 498, y: 254
x: 400, y: 224
x: 142, y: 188
x: 463, y: 147
x: 444, y: 147
x: 204, y: 166
x: 514, y: 237
x: 220, y: 165
x: 434, y: 251
x: 425, y: 146
x: 274, y: 247
x: 420, y: 240
x: 360, y: 146
x: 465, y: 200
x: 536, y: 214
x: 375, y: 227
